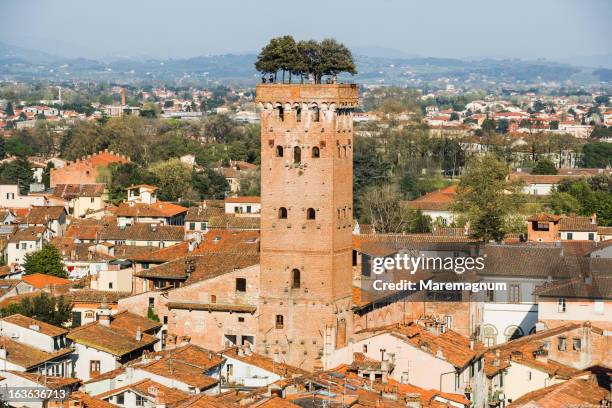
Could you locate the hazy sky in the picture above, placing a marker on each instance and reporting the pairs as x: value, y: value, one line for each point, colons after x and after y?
x: 181, y: 28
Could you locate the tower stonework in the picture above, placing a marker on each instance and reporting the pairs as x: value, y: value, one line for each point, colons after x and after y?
x: 306, y: 219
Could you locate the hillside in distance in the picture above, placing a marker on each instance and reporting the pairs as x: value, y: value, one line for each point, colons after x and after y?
x: 22, y: 64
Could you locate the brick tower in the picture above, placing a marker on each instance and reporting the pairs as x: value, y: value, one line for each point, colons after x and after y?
x: 306, y: 219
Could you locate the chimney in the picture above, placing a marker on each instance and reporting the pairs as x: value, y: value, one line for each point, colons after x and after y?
x: 34, y: 326
x: 75, y: 403
x: 159, y: 401
x: 138, y: 334
x: 471, y: 344
x: 497, y: 360
x: 413, y: 400
x: 594, y: 219
x: 3, y: 353
x: 104, y: 320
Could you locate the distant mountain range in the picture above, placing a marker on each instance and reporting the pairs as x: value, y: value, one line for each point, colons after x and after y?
x: 375, y: 65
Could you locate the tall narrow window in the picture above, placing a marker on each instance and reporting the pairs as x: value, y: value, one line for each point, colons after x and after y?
x: 316, y: 113
x: 279, y: 151
x: 295, y: 279
x: 297, y: 155
x: 282, y: 213
x: 316, y: 153
x: 280, y: 321
x: 298, y: 115
x: 311, y: 214
x: 281, y: 113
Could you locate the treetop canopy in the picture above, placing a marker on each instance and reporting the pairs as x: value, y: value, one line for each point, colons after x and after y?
x: 305, y: 58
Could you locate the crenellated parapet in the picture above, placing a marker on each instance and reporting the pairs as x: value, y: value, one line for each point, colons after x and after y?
x: 323, y: 95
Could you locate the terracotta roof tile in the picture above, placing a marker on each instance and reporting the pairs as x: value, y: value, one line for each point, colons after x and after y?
x: 593, y: 287
x: 231, y: 221
x: 27, y: 356
x: 268, y: 364
x: 199, y: 214
x: 85, y: 400
x: 439, y: 200
x: 41, y: 281
x: 44, y: 328
x: 453, y: 347
x: 47, y: 381
x: 574, y: 392
x: 158, y: 209
x: 243, y: 199
x: 194, y: 268
x: 577, y: 224
x: 27, y: 234
x: 159, y: 393
x: 142, y: 232
x: 71, y: 191
x: 43, y: 215
x: 110, y: 339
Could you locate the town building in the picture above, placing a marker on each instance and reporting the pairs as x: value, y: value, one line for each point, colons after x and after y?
x: 306, y: 219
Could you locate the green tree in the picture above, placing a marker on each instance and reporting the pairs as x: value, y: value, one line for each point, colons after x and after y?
x: 174, y: 178
x: 408, y: 186
x: 486, y: 199
x: 46, y: 176
x: 16, y: 147
x: 488, y: 126
x: 370, y: 169
x: 9, y: 109
x: 19, y: 172
x: 544, y: 166
x: 597, y: 155
x: 53, y: 310
x: 563, y: 203
x: 328, y: 57
x: 2, y: 148
x: 335, y: 58
x: 47, y: 260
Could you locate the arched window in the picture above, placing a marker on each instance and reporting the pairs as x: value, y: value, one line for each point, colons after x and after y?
x: 489, y: 335
x: 279, y: 151
x: 311, y: 214
x: 282, y: 213
x: 298, y: 114
x: 316, y: 113
x: 295, y: 279
x: 513, y: 332
x: 297, y: 155
x: 316, y: 153
x: 213, y: 299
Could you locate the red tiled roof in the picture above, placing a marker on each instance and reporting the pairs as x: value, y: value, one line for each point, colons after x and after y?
x: 244, y: 199
x: 41, y: 281
x: 572, y: 393
x: 44, y: 328
x: 439, y: 200
x: 158, y: 209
